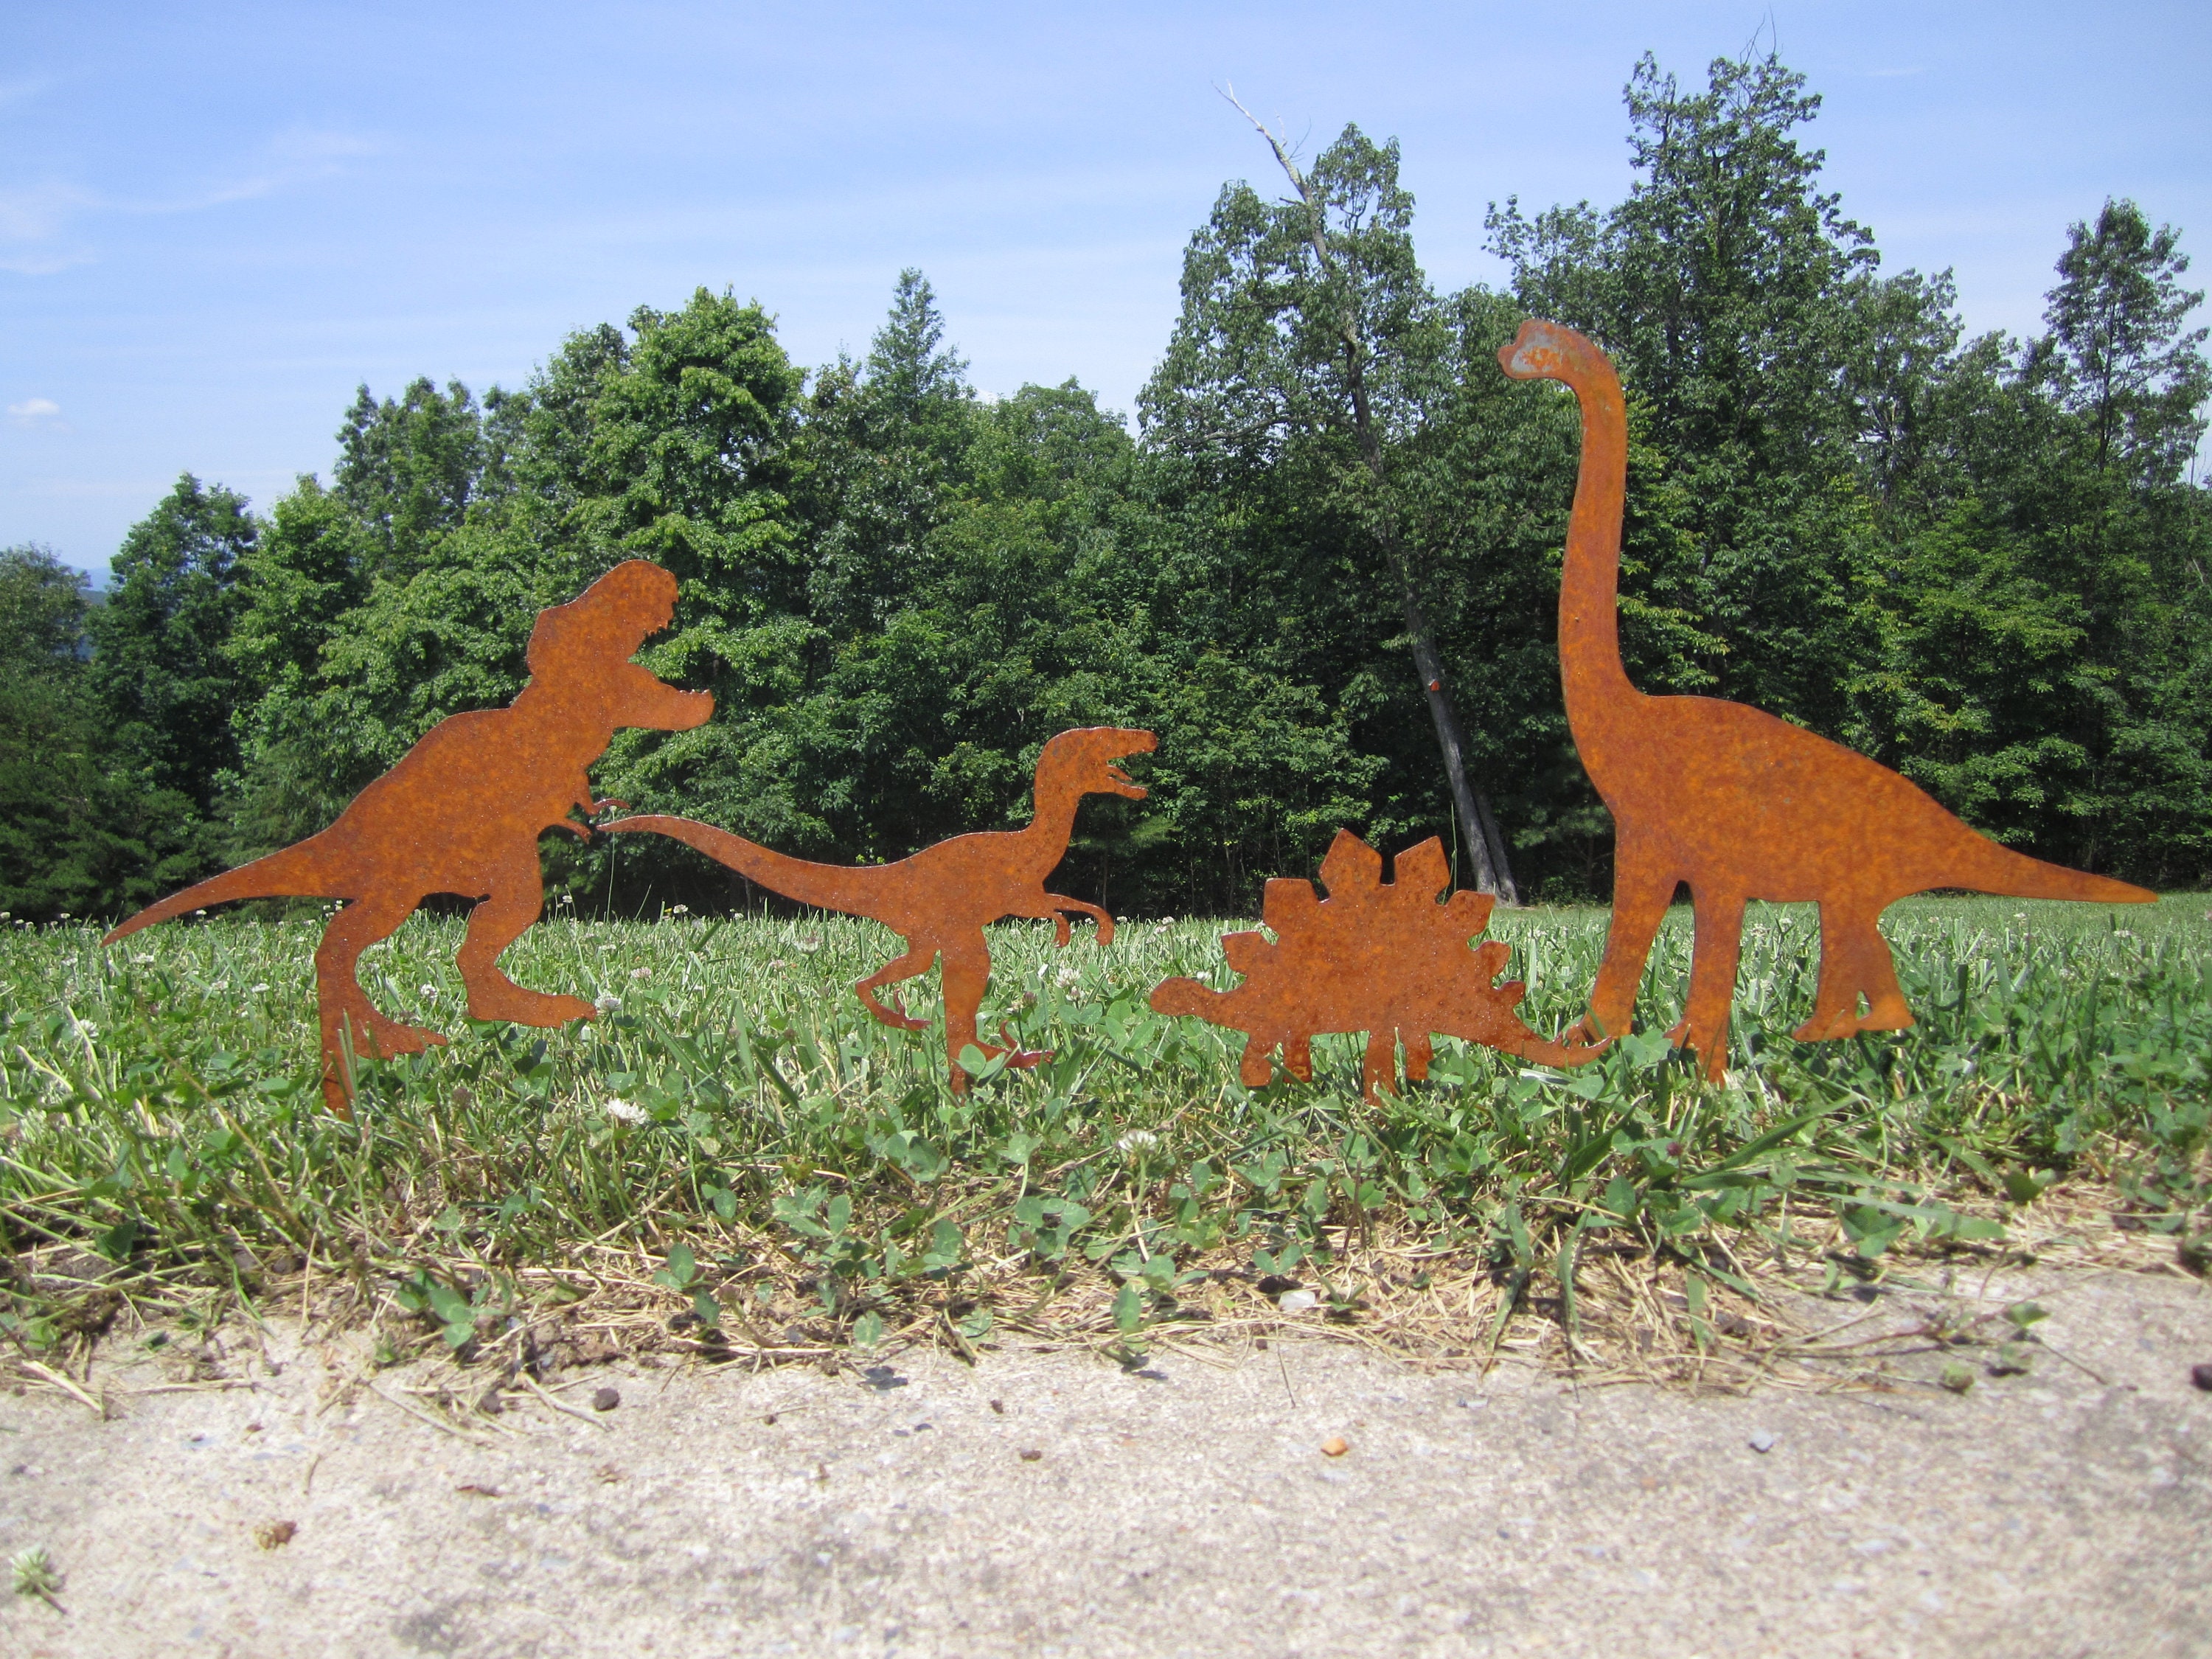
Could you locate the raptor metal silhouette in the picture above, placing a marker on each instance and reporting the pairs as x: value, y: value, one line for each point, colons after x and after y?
x: 939, y: 900
x: 461, y: 813
x: 1730, y: 799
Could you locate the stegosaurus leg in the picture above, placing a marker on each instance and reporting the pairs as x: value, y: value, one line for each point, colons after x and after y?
x: 1256, y: 1070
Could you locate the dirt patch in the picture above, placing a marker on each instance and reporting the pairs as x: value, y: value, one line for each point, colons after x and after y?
x: 1304, y: 1498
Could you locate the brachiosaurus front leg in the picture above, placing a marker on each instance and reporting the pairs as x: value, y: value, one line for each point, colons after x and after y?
x: 1057, y: 905
x: 913, y: 965
x: 1642, y: 887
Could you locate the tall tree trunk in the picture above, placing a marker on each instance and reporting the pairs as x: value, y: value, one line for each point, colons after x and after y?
x: 1493, y: 871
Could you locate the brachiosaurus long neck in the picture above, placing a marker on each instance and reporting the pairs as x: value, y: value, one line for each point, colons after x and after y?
x: 1597, y: 688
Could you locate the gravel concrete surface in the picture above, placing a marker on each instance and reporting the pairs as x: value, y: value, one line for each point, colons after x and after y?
x: 1053, y: 1503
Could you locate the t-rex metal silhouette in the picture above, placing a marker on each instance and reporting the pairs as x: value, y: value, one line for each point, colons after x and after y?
x: 1375, y: 956
x: 940, y: 899
x: 461, y: 813
x: 1736, y: 803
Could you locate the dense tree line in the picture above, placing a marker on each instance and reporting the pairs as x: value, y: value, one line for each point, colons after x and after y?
x: 1326, y: 561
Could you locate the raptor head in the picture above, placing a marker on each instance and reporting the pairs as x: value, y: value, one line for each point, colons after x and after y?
x: 1084, y: 761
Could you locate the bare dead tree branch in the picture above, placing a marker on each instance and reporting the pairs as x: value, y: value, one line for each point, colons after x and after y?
x: 1485, y: 843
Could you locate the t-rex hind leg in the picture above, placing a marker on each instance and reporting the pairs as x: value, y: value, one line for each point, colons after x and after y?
x: 349, y: 1020
x: 518, y: 895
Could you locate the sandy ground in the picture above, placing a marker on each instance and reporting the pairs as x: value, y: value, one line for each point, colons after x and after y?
x: 1053, y: 1503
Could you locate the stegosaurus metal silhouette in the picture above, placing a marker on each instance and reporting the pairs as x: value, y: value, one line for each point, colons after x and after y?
x: 1382, y: 958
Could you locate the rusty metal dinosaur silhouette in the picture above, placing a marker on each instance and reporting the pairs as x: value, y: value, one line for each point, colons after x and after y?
x: 1375, y: 956
x: 461, y: 813
x: 939, y: 900
x: 1732, y: 800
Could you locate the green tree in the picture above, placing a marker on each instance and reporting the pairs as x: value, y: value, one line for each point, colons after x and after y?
x: 1737, y: 298
x: 2048, y: 633
x: 161, y: 666
x: 77, y: 836
x: 1309, y: 342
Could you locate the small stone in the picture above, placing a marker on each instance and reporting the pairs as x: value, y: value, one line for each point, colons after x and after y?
x: 606, y: 1399
x: 1335, y: 1446
x: 2202, y: 1377
x: 276, y: 1534
x: 1031, y: 1456
x: 1762, y: 1442
x: 998, y: 1407
x: 1297, y: 1302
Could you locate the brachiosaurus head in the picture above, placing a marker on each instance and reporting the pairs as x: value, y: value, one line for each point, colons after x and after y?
x: 1544, y: 351
x: 1082, y: 761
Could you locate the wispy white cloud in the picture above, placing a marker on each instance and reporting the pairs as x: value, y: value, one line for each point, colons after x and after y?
x: 32, y: 408
x: 40, y: 224
x: 23, y: 88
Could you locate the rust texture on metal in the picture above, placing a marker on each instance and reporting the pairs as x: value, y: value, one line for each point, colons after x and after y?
x: 1731, y: 800
x: 1375, y: 956
x: 461, y: 813
x: 939, y: 900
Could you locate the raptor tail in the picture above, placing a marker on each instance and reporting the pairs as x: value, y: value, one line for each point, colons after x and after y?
x: 301, y: 871
x: 830, y: 886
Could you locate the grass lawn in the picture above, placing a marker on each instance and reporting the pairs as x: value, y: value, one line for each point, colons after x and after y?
x: 738, y: 1160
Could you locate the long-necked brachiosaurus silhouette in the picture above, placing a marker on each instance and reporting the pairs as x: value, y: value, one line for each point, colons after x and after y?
x: 1730, y: 799
x: 940, y: 899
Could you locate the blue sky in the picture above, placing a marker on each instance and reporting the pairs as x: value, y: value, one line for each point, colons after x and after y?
x: 216, y: 221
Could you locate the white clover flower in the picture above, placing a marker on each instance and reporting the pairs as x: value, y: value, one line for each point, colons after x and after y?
x: 87, y: 1030
x: 429, y: 992
x: 679, y: 910
x: 1069, y: 976
x: 259, y: 986
x: 607, y: 1005
x: 2123, y: 933
x: 623, y: 1112
x: 810, y: 944
x: 1138, y: 1140
x: 640, y: 973
x: 147, y: 956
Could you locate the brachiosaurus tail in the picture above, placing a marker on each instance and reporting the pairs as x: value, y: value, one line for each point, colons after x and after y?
x: 830, y: 886
x: 302, y: 869
x: 1987, y: 867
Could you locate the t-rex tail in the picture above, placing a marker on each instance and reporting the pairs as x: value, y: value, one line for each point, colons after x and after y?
x: 1988, y: 867
x: 830, y: 886
x: 301, y: 871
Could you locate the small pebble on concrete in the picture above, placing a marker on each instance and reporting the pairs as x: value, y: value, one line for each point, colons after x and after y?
x: 1762, y: 1442
x: 606, y: 1399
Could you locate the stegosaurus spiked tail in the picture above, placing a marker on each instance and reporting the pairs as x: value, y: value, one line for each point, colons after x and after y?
x: 1382, y: 958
